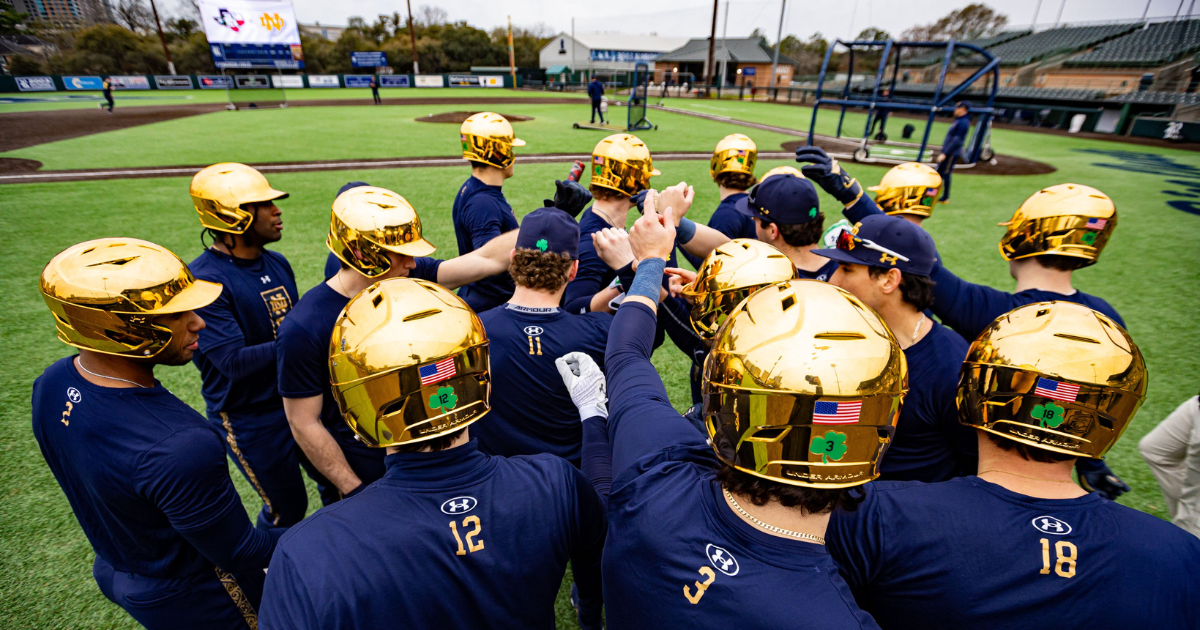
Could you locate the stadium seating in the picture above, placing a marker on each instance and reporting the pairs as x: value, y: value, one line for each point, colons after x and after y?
x: 936, y: 56
x: 1154, y: 45
x: 1042, y: 44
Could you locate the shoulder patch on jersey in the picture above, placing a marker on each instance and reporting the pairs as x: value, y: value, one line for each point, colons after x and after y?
x: 459, y: 505
x: 73, y: 395
x: 722, y: 560
x: 1051, y: 525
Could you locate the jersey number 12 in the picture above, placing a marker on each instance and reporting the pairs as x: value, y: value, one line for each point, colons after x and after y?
x: 472, y: 544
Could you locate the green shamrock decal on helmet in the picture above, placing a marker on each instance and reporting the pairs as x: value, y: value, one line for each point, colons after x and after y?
x: 542, y: 244
x: 831, y: 446
x: 1089, y: 238
x: 1048, y: 415
x: 444, y: 399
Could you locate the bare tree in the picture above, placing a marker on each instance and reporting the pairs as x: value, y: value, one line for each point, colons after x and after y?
x: 432, y: 16
x: 189, y: 9
x: 973, y: 21
x: 133, y: 15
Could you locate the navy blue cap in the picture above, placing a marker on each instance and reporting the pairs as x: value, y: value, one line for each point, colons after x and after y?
x: 349, y: 186
x: 966, y: 104
x: 878, y: 232
x: 782, y: 198
x: 549, y: 230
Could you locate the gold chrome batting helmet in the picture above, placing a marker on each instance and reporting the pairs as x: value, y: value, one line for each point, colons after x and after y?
x: 1054, y: 375
x: 1065, y: 220
x: 729, y: 275
x: 735, y: 153
x: 408, y: 361
x: 803, y: 386
x: 488, y: 137
x: 621, y: 162
x: 780, y: 170
x: 105, y: 294
x: 368, y: 220
x: 909, y: 188
x: 220, y: 190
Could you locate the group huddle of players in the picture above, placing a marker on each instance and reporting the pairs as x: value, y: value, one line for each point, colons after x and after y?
x: 874, y: 442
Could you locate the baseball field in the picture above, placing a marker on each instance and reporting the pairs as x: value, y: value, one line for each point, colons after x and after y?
x: 1149, y: 272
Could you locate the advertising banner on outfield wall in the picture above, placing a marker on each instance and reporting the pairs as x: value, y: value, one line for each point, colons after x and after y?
x: 215, y: 82
x: 83, y: 83
x: 357, y: 80
x: 36, y: 84
x: 323, y: 81
x: 491, y: 81
x: 393, y: 80
x: 368, y: 59
x: 462, y: 80
x: 432, y: 80
x: 287, y: 81
x: 172, y: 82
x: 251, y: 81
x: 133, y: 82
x: 252, y: 33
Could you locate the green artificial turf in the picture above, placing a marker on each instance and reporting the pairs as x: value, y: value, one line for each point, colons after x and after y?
x: 1149, y: 272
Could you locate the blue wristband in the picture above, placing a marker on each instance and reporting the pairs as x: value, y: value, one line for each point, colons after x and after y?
x: 686, y: 230
x: 648, y: 281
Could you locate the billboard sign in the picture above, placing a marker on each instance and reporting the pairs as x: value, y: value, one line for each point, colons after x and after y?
x: 394, y: 80
x: 83, y: 83
x: 463, y: 80
x: 251, y: 81
x: 358, y: 80
x: 368, y: 59
x: 133, y: 82
x: 252, y: 33
x: 323, y: 81
x: 287, y: 81
x: 36, y: 84
x: 492, y: 81
x: 429, y: 80
x: 173, y: 82
x: 624, y: 56
x: 215, y: 82
x: 749, y: 71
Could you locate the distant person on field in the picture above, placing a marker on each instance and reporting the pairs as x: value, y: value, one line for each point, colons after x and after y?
x: 952, y: 146
x: 375, y: 91
x: 596, y: 91
x: 108, y: 93
x: 1172, y: 451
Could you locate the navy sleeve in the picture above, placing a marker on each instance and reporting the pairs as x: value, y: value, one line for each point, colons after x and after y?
x: 483, y: 218
x: 641, y: 419
x: 967, y: 308
x: 333, y: 264
x: 186, y: 477
x: 856, y: 540
x: 286, y: 604
x: 426, y: 269
x: 224, y: 343
x: 859, y: 210
x: 594, y: 274
x: 591, y: 529
x: 303, y: 364
x: 596, y: 455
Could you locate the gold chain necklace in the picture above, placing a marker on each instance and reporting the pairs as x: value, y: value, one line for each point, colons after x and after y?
x: 768, y: 526
x: 1005, y: 472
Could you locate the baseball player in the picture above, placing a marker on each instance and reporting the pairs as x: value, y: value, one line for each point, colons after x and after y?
x: 726, y: 535
x: 1056, y: 231
x: 953, y: 145
x: 908, y: 191
x: 526, y: 335
x: 885, y: 262
x: 481, y: 213
x: 449, y: 537
x: 333, y: 264
x: 1020, y: 545
x: 145, y: 474
x: 236, y: 356
x: 375, y: 234
x: 732, y: 169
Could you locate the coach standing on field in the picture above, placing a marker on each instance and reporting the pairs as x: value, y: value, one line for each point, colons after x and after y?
x: 596, y: 92
x: 952, y: 146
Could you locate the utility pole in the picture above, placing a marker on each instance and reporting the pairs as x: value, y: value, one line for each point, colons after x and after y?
x: 572, y: 53
x: 412, y: 35
x: 1038, y: 8
x: 712, y: 40
x: 724, y: 49
x: 162, y: 38
x: 1058, y: 18
x: 778, y: 42
x: 512, y: 63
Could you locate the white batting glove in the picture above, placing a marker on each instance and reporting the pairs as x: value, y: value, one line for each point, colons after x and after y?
x: 585, y: 382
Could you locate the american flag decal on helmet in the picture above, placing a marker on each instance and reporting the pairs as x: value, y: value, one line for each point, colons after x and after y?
x: 830, y: 412
x: 435, y: 372
x: 1066, y: 392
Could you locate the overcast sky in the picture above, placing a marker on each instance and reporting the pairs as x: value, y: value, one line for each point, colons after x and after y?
x: 692, y: 18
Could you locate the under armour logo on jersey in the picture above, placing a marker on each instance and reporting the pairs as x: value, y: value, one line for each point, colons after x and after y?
x: 73, y: 395
x: 1051, y: 525
x: 533, y: 330
x: 459, y: 505
x: 265, y: 279
x: 722, y: 560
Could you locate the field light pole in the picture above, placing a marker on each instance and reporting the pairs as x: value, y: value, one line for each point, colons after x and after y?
x: 712, y: 41
x: 162, y: 38
x: 512, y: 62
x: 778, y: 44
x: 412, y: 34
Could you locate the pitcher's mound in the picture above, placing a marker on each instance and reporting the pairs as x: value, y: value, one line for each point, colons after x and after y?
x: 459, y: 117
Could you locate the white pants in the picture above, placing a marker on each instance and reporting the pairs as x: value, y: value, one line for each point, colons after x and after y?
x: 1172, y: 450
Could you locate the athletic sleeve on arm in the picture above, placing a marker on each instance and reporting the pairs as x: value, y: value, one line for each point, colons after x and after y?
x: 967, y: 308
x: 286, y: 604
x: 426, y: 269
x: 596, y: 455
x: 482, y: 217
x: 302, y: 365
x: 591, y: 527
x: 856, y: 540
x: 641, y: 419
x: 187, y: 478
x: 861, y: 209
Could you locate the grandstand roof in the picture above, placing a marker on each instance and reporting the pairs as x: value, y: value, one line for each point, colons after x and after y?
x: 936, y: 56
x: 1042, y: 44
x: 1154, y: 45
x: 737, y: 50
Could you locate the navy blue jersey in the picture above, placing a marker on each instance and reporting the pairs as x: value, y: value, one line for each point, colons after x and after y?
x: 930, y: 443
x: 237, y: 346
x: 594, y: 274
x: 966, y: 553
x: 676, y: 554
x: 145, y: 476
x: 728, y: 221
x: 453, y: 539
x: 480, y: 214
x: 532, y: 411
x: 956, y: 136
x: 823, y: 274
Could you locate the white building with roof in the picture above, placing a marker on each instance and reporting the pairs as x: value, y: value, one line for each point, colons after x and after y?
x: 599, y: 52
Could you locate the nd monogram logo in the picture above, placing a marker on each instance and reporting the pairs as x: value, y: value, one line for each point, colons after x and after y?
x: 891, y: 260
x: 271, y: 21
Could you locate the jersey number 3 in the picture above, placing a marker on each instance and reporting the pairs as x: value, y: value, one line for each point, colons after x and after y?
x: 472, y: 544
x: 1066, y: 553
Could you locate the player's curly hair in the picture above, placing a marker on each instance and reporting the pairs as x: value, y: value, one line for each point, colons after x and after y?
x: 914, y: 289
x: 599, y: 193
x: 800, y: 234
x: 540, y: 271
x: 736, y: 181
x: 1027, y: 452
x: 809, y: 500
x: 435, y: 445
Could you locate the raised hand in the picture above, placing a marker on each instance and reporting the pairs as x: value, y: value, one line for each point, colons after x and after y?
x: 612, y: 246
x: 585, y: 382
x: 653, y: 234
x: 571, y: 197
x: 678, y: 197
x: 828, y: 174
x: 679, y: 278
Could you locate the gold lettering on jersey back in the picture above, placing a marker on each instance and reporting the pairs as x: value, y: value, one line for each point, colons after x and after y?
x: 532, y: 341
x: 701, y: 587
x: 1065, y: 555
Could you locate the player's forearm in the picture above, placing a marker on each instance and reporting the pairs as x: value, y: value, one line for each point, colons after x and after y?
x: 862, y: 208
x: 703, y: 241
x: 237, y: 361
x: 600, y: 302
x: 323, y: 451
x: 596, y: 455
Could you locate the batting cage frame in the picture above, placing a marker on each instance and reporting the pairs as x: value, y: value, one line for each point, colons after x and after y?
x: 943, y: 99
x: 638, y: 98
